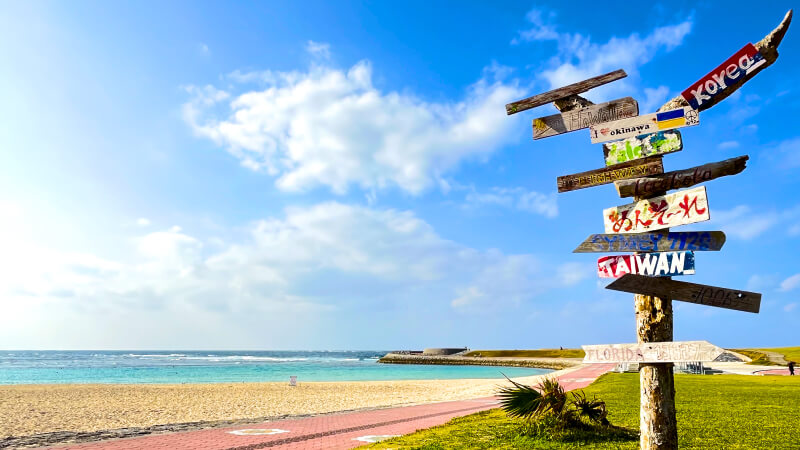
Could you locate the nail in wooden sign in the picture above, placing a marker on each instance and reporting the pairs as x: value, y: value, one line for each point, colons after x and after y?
x: 606, y: 175
x: 585, y: 117
x: 728, y: 74
x: 642, y: 146
x: 652, y: 352
x: 662, y: 264
x: 566, y: 91
x: 688, y: 292
x: 653, y: 242
x: 648, y: 123
x: 643, y: 187
x: 680, y: 208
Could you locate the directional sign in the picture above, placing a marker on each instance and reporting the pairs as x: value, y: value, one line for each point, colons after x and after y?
x: 658, y: 241
x: 648, y: 123
x: 663, y: 264
x: 728, y: 74
x: 652, y: 352
x: 585, y: 117
x: 566, y: 91
x: 605, y: 175
x: 644, y: 187
x: 680, y: 208
x: 642, y: 146
x: 688, y: 292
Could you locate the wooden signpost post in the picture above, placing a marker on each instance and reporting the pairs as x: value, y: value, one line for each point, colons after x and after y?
x: 662, y: 264
x: 689, y: 292
x: 585, y: 117
x: 653, y: 352
x: 658, y: 241
x: 632, y: 228
x: 633, y: 169
x: 680, y: 208
x: 678, y: 179
x: 648, y: 123
x: 642, y: 146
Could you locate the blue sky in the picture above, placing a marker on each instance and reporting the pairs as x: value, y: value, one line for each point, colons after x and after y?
x: 331, y: 175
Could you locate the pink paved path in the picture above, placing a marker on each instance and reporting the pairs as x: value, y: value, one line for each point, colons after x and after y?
x: 332, y: 431
x: 784, y: 371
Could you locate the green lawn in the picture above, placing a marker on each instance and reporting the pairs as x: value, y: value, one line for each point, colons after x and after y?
x: 543, y: 353
x: 714, y: 411
x: 760, y: 359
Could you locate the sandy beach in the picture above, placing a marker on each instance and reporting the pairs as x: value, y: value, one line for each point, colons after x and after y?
x: 32, y: 409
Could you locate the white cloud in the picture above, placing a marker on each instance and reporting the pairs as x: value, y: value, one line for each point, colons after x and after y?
x: 203, y: 49
x: 143, y: 222
x: 728, y: 144
x: 790, y: 283
x: 330, y: 127
x: 515, y: 198
x: 741, y: 222
x: 653, y: 99
x: 790, y: 307
x: 788, y: 153
x: 319, y: 49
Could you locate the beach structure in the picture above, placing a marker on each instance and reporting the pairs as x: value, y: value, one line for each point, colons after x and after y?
x: 633, y: 149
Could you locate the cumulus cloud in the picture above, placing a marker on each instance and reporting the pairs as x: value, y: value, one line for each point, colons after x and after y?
x: 318, y: 49
x: 728, y: 145
x: 333, y: 128
x: 790, y: 283
x: 515, y: 198
x: 323, y: 257
x: 143, y: 222
x: 746, y: 223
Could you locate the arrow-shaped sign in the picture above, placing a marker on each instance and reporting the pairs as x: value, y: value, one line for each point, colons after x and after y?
x: 652, y: 352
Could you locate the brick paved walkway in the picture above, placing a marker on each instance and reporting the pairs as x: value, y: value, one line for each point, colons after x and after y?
x: 784, y: 371
x: 333, y: 431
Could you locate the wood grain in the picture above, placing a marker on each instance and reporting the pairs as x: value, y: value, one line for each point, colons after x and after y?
x: 678, y: 179
x: 585, y: 117
x: 700, y: 294
x: 607, y: 175
x: 652, y: 352
x: 566, y: 91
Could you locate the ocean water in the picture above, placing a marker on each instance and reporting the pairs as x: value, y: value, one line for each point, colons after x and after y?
x: 37, y: 367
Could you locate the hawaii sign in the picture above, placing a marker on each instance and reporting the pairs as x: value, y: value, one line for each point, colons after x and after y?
x: 731, y: 72
x: 664, y: 264
x: 681, y: 208
x: 648, y: 123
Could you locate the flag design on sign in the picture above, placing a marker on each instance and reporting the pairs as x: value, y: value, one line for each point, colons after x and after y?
x: 671, y: 119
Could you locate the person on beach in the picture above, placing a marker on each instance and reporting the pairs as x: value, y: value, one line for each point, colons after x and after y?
x: 791, y: 367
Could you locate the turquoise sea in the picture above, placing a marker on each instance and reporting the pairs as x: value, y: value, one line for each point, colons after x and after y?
x: 37, y: 367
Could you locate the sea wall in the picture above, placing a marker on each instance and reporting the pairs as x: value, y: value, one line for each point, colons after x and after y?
x: 541, y: 363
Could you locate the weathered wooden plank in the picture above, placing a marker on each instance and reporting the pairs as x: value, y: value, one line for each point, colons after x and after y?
x: 662, y: 264
x: 606, y: 175
x: 688, y: 292
x: 652, y: 352
x: 767, y: 47
x: 653, y: 242
x: 642, y: 146
x: 584, y: 117
x: 679, y: 208
x: 677, y: 179
x: 648, y: 123
x: 566, y: 91
x: 725, y: 76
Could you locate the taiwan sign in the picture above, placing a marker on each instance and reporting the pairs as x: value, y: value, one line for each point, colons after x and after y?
x: 663, y: 264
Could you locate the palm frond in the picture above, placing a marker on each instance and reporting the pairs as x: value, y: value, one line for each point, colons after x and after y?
x: 519, y: 400
x: 594, y: 409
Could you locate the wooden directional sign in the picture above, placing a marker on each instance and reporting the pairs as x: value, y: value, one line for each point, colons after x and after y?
x: 585, y: 117
x: 648, y: 123
x: 644, y: 187
x: 652, y: 352
x: 657, y: 241
x: 637, y: 147
x: 680, y: 208
x: 566, y: 91
x: 688, y: 292
x: 730, y: 73
x: 663, y: 264
x: 633, y: 169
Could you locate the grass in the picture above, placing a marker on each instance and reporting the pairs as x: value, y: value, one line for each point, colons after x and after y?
x: 719, y: 411
x: 761, y: 359
x: 543, y: 353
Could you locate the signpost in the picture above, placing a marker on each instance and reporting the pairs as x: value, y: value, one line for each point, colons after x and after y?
x: 680, y: 208
x: 652, y: 352
x: 585, y: 117
x: 632, y: 227
x: 658, y: 241
x: 633, y: 169
x: 662, y: 264
x: 642, y: 187
x: 642, y: 146
x: 689, y: 292
x: 648, y: 123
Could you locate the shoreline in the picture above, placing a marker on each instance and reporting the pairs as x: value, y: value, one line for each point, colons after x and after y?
x: 32, y: 415
x: 458, y: 360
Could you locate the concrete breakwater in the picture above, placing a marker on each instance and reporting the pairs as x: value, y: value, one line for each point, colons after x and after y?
x: 540, y: 363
